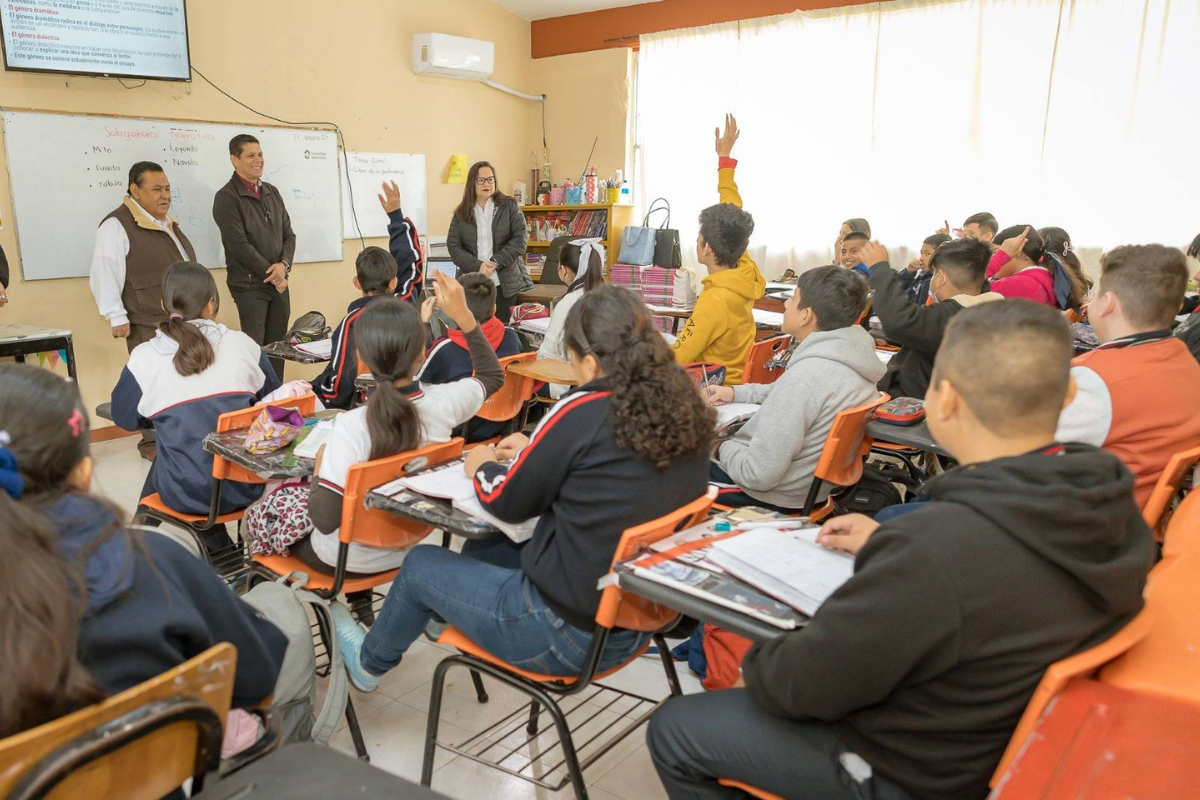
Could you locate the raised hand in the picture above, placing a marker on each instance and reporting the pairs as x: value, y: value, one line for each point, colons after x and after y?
x: 453, y: 300
x: 873, y: 253
x: 1016, y: 244
x: 726, y: 141
x: 390, y: 199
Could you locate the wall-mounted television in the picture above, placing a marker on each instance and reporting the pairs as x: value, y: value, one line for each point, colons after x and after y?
x: 114, y: 38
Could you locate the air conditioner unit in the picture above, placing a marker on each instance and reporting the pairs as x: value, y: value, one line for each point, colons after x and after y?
x: 453, y: 56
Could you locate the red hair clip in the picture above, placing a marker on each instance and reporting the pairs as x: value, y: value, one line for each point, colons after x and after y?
x: 77, y: 423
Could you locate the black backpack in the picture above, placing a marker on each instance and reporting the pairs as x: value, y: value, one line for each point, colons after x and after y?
x: 875, y: 490
x: 309, y: 327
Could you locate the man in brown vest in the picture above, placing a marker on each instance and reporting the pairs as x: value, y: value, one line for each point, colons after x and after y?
x: 134, y: 246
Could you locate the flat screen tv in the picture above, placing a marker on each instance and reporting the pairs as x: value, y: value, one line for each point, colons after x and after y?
x: 114, y: 38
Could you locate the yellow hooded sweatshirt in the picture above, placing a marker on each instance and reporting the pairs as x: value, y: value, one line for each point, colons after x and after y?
x: 721, y: 328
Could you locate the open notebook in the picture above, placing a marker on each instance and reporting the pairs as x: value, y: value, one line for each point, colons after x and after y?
x: 732, y: 416
x: 787, y: 565
x: 322, y: 348
x: 449, y: 482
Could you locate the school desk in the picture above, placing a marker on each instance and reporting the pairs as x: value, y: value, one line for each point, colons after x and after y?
x: 546, y: 369
x: 431, y: 511
x: 1104, y: 743
x: 915, y: 436
x: 310, y: 771
x: 272, y: 466
x: 676, y: 315
x: 285, y: 351
x: 19, y: 341
x: 545, y: 293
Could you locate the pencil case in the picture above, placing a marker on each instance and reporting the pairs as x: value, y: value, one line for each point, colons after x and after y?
x: 273, y: 429
x: 902, y: 411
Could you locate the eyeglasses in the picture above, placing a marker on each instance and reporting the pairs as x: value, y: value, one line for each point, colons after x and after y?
x: 484, y: 181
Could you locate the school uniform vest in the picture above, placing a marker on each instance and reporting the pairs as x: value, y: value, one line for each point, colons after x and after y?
x: 1155, y: 391
x: 151, y: 251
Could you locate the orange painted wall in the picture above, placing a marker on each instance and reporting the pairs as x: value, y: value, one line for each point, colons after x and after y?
x: 621, y: 27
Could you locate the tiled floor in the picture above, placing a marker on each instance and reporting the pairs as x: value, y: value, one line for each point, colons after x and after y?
x: 393, y: 719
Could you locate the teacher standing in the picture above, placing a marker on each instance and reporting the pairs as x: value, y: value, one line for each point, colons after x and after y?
x: 487, y: 234
x: 259, y: 245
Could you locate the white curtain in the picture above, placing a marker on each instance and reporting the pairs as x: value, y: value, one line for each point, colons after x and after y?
x: 1075, y: 113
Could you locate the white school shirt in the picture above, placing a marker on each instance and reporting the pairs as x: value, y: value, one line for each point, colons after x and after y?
x: 107, y: 277
x: 442, y: 408
x: 483, y: 234
x: 552, y: 344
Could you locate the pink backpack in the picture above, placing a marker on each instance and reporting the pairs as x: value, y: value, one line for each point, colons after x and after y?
x: 278, y: 519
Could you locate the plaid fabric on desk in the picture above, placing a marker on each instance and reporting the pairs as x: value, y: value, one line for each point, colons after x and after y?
x: 655, y: 285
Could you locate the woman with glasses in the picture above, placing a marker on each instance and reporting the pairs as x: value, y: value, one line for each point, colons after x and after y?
x: 487, y: 234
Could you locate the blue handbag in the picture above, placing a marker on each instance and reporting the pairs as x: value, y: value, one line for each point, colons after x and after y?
x: 638, y: 242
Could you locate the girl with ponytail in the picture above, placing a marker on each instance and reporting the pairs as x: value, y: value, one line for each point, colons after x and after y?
x: 88, y: 608
x: 581, y: 268
x: 629, y: 445
x: 1027, y: 267
x: 191, y: 372
x: 401, y: 415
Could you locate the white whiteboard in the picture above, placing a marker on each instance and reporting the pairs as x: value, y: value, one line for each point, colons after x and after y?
x: 68, y: 172
x: 369, y: 170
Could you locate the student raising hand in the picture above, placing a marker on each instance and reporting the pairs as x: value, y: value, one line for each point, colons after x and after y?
x: 1013, y: 247
x: 452, y: 300
x: 390, y: 199
x: 847, y: 533
x: 873, y: 253
x: 726, y: 141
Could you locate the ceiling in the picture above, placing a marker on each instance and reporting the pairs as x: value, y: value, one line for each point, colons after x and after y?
x: 542, y: 9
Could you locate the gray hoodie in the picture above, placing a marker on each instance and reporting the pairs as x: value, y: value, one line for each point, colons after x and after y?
x: 773, y: 456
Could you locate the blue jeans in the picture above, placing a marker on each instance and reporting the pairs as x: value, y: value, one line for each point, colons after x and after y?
x: 891, y: 512
x: 485, y: 594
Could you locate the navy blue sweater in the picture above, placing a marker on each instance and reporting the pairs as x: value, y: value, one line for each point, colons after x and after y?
x: 152, y: 605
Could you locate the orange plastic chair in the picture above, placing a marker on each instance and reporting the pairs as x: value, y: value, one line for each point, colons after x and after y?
x: 222, y: 470
x: 616, y: 610
x: 1183, y: 529
x: 841, y: 462
x: 1157, y: 509
x: 1166, y: 663
x: 511, y: 402
x: 748, y: 789
x: 761, y: 352
x: 367, y: 526
x: 1080, y: 665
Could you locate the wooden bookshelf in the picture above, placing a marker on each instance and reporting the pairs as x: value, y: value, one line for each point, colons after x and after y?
x: 617, y: 217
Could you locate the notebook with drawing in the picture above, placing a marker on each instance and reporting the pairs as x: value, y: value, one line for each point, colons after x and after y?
x: 787, y: 565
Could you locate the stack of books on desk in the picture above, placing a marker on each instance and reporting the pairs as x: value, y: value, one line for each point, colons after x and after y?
x: 763, y: 572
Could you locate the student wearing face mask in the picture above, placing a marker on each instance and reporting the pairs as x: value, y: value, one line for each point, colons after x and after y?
x: 957, y: 270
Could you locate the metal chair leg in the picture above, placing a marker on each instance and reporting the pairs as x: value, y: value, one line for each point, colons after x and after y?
x: 431, y: 725
x: 360, y: 747
x: 532, y: 727
x: 480, y: 692
x: 668, y: 663
x: 568, y: 747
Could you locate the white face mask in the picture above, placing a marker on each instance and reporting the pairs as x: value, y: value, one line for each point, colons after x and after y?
x: 933, y: 292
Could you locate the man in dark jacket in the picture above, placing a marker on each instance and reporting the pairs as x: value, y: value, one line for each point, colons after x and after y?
x: 259, y: 245
x: 911, y: 678
x: 957, y: 270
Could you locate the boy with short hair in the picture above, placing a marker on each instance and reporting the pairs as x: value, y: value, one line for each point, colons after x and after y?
x: 917, y: 274
x: 449, y: 358
x: 850, y: 256
x: 981, y: 227
x: 770, y: 461
x: 375, y: 277
x: 1139, y: 390
x: 721, y: 329
x: 956, y: 277
x: 911, y: 678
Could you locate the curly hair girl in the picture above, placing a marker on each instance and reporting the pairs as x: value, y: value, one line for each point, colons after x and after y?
x: 656, y: 411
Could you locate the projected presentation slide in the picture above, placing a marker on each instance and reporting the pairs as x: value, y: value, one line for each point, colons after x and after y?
x: 125, y: 38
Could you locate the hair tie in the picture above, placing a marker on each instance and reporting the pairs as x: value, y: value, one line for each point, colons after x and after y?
x: 10, y: 480
x: 384, y: 378
x: 176, y: 315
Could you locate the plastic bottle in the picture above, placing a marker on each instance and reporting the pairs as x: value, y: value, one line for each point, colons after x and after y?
x: 589, y: 184
x: 626, y: 199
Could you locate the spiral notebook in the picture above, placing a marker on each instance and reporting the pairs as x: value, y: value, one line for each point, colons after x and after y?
x: 787, y: 565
